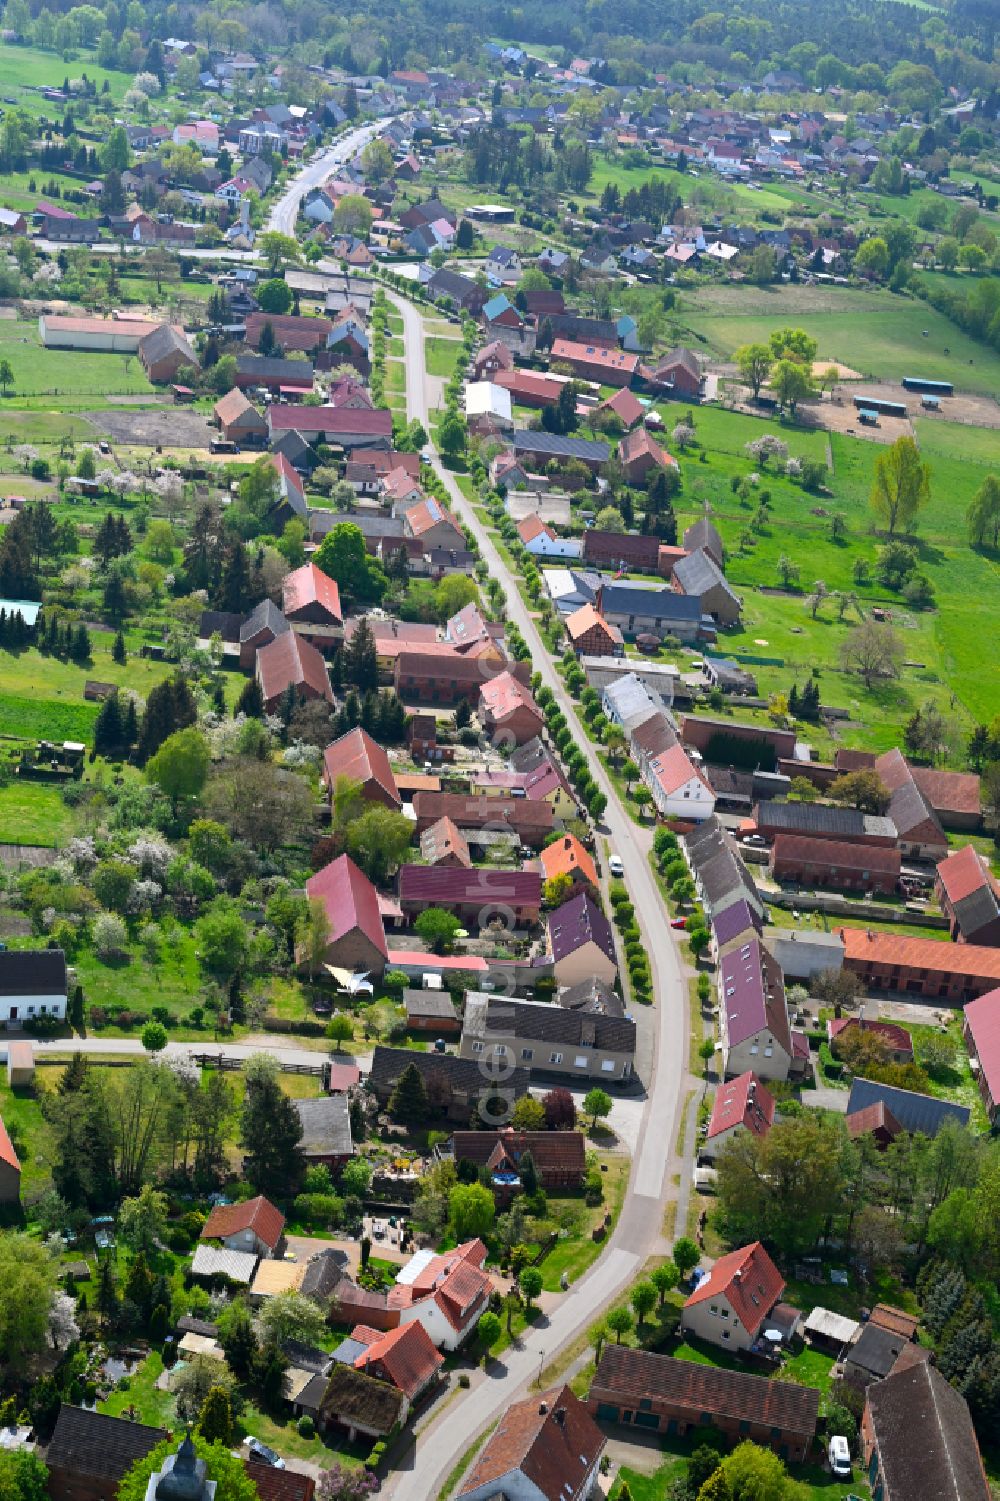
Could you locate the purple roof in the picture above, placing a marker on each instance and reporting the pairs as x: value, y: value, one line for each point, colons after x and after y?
x: 734, y: 920
x: 751, y: 983
x: 577, y: 922
x: 446, y: 884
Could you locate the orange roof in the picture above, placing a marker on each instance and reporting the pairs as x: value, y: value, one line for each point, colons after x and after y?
x: 426, y: 514
x: 585, y: 619
x: 967, y: 959
x: 674, y: 768
x: 594, y: 354
x: 639, y: 443
x: 259, y: 1215
x: 963, y: 873
x: 564, y: 856
x: 405, y: 1356
x: 7, y: 1153
x: 949, y: 791
x: 626, y: 405
x: 750, y: 1282
x: 533, y: 526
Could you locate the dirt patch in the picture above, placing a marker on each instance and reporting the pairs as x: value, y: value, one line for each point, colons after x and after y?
x: 139, y: 401
x: 153, y: 429
x: 844, y: 372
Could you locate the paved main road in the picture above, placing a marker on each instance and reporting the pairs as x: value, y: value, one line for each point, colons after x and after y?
x: 639, y: 1230
x: 285, y: 210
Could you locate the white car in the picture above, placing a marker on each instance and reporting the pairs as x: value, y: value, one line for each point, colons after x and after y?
x: 615, y: 866
x: 839, y: 1455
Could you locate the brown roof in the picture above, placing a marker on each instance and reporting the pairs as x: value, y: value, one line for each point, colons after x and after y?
x: 743, y: 1101
x: 442, y: 839
x: 280, y: 1485
x: 895, y: 1037
x: 310, y: 585
x: 949, y: 791
x: 551, y: 1439
x: 896, y: 1320
x: 555, y: 1151
x: 482, y: 812
x: 289, y: 661
x: 842, y: 853
x: 964, y: 872
x: 94, y: 1444
x: 626, y: 405
x: 640, y: 444
x: 350, y: 899
x: 234, y: 405
x: 925, y: 1439
x: 634, y: 1375
x: 352, y: 1397
x: 259, y: 1215
x: 290, y: 331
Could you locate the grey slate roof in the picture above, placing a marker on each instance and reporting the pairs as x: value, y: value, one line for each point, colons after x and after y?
x: 542, y: 1022
x: 217, y: 1261
x: 915, y: 1112
x: 876, y: 1350
x: 698, y: 573
x: 592, y: 997
x: 32, y: 972
x: 702, y: 534
x: 554, y: 445
x: 944, y: 1462
x: 661, y: 604
x: 265, y: 616
x: 326, y: 1126
x: 461, y: 1074
x: 820, y: 818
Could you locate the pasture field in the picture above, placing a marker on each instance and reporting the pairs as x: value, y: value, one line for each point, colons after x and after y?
x: 71, y: 375
x: 24, y: 71
x: 875, y: 332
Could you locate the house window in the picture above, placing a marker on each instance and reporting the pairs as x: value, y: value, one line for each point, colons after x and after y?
x: 527, y: 1054
x: 477, y: 1047
x: 768, y: 1052
x: 713, y: 1309
x: 726, y: 1334
x: 555, y: 1057
x: 607, y: 1065
x: 645, y: 1405
x: 580, y: 1061
x: 725, y: 1313
x: 754, y: 1048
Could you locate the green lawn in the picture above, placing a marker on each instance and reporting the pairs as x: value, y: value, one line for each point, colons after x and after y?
x: 395, y: 377
x: 60, y: 372
x: 579, y: 1250
x: 21, y: 1113
x: 818, y: 1483
x: 174, y: 981
x: 34, y: 813
x: 441, y: 356
x: 41, y: 697
x: 24, y: 70
x: 875, y: 332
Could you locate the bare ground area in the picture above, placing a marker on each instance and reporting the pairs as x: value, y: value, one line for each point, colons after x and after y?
x: 154, y: 429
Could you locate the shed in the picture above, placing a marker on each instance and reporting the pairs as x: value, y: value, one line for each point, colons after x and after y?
x: 20, y: 1063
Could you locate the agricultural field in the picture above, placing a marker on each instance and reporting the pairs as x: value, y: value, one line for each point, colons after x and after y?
x: 76, y: 378
x: 25, y: 71
x: 877, y: 333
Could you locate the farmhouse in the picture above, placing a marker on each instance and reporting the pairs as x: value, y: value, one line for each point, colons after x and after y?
x: 913, y: 1112
x: 917, y: 1439
x: 33, y: 983
x: 834, y: 862
x: 530, y: 821
x: 311, y: 604
x: 639, y: 454
x: 650, y: 611
x: 90, y: 1453
x: 546, y: 1448
x: 821, y: 821
x: 698, y: 575
x: 275, y: 375
x: 677, y: 374
x: 566, y: 856
x: 289, y: 663
x: 560, y: 1157
x: 702, y: 534
x: 581, y: 942
x: 507, y: 711
x: 361, y: 759
x: 607, y: 366
x: 679, y: 788
x: 239, y: 421
x: 350, y: 428
x: 981, y: 1032
x: 731, y: 1305
x: 444, y: 844
x: 545, y: 448
x: 657, y: 1392
x: 969, y: 895
x: 627, y: 550
x: 591, y: 635
x: 356, y: 939
x: 290, y: 331
x: 164, y: 353
x: 546, y: 1039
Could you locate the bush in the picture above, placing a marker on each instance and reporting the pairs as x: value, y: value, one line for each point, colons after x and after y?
x: 830, y: 1065
x: 306, y: 1426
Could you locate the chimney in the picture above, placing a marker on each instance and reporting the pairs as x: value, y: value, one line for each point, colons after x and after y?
x: 560, y: 1416
x: 543, y: 1408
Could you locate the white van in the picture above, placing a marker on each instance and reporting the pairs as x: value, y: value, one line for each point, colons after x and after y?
x: 839, y: 1455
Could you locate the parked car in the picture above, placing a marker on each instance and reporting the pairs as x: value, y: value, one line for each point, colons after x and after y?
x: 615, y: 866
x: 839, y: 1455
x: 678, y: 922
x: 261, y: 1454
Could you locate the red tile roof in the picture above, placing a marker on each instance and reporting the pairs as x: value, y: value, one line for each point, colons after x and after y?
x: 842, y: 853
x: 626, y: 405
x: 290, y: 330
x: 504, y: 695
x: 594, y: 354
x: 963, y: 873
x: 280, y: 1485
x: 309, y: 585
x: 982, y: 1017
x: 427, y: 514
x: 565, y: 855
x: 750, y: 1282
x: 587, y: 618
x: 7, y: 1153
x: 358, y: 421
x: 640, y: 443
x: 289, y: 660
x: 949, y: 791
x: 887, y: 949
x: 533, y: 526
x: 350, y: 899
x: 737, y: 1104
x: 442, y: 839
x: 876, y: 1117
x: 896, y: 1038
x: 358, y: 756
x: 405, y: 1356
x: 259, y: 1215
x: 551, y: 1439
x: 443, y: 885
